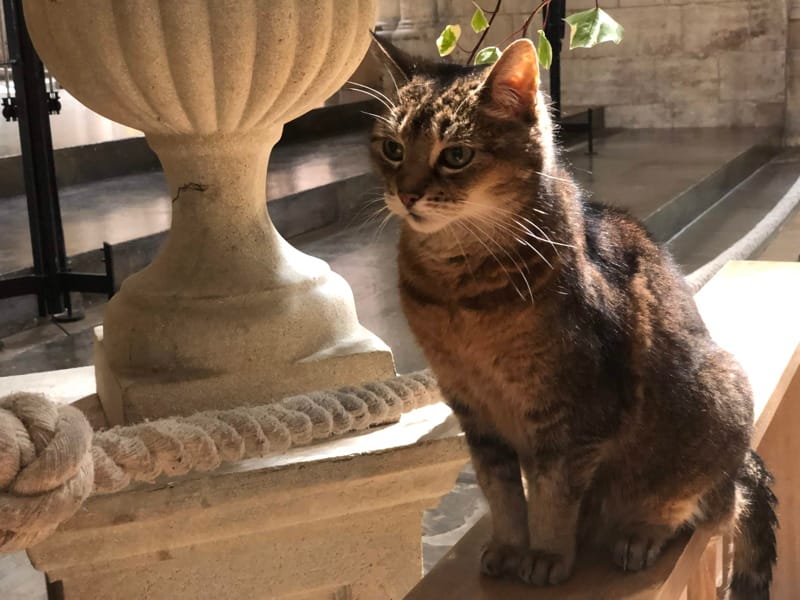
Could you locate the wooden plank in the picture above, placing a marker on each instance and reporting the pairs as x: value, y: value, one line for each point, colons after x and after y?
x: 703, y: 582
x: 751, y: 309
x: 780, y: 449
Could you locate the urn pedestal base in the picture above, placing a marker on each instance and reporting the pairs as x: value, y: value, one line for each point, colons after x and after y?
x: 131, y: 396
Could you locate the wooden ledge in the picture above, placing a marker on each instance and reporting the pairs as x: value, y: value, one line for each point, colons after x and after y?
x: 753, y: 310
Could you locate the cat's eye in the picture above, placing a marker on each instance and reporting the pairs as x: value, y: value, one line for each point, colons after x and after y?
x: 393, y: 150
x: 456, y: 157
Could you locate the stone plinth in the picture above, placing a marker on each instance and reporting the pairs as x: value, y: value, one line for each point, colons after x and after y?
x: 228, y: 313
x: 418, y: 28
x: 336, y: 520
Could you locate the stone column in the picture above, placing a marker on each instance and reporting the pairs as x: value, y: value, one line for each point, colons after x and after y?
x: 388, y: 16
x: 418, y: 27
x: 228, y: 313
x: 792, y: 126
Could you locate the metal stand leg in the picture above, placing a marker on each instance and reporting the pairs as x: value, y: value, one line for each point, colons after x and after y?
x: 51, y: 280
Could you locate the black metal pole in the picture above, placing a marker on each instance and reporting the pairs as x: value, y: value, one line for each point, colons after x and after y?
x: 47, y: 237
x: 554, y: 31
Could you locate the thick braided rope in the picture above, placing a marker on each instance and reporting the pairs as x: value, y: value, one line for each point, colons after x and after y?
x: 51, y: 460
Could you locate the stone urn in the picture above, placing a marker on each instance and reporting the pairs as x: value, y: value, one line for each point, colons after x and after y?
x: 228, y: 313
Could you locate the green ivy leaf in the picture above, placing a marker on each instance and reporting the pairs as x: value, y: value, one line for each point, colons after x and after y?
x: 488, y: 55
x: 448, y: 39
x: 544, y: 50
x: 479, y: 22
x: 592, y: 27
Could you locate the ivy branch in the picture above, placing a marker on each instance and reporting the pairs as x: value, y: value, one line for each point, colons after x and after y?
x: 587, y: 28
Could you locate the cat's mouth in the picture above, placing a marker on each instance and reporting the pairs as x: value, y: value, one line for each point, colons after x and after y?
x: 424, y: 224
x: 415, y: 217
x: 420, y: 217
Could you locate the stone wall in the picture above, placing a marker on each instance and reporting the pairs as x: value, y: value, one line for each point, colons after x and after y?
x: 792, y: 130
x: 682, y: 64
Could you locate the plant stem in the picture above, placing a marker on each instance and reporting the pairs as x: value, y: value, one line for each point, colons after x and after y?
x: 485, y: 31
x: 524, y: 29
x: 483, y: 9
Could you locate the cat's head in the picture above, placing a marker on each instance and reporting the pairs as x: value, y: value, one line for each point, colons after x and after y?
x: 462, y: 143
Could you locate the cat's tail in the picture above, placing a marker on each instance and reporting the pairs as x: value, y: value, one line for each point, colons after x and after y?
x: 755, y: 549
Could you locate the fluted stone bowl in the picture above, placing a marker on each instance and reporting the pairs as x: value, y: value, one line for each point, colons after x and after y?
x: 228, y: 313
x: 200, y: 66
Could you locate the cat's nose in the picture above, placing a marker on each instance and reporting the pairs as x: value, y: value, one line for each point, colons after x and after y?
x: 408, y: 200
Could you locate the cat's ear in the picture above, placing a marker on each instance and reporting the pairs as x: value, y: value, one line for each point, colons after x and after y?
x: 513, y: 82
x: 402, y: 63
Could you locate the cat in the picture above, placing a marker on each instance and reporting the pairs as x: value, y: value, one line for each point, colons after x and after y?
x: 563, y: 337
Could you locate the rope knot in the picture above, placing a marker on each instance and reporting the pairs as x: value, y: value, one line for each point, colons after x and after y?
x: 46, y: 469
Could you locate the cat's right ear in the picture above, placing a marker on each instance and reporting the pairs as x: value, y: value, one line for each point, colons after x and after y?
x: 512, y: 84
x: 401, y: 63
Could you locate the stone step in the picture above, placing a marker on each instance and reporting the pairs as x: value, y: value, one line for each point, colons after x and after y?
x: 669, y: 177
x: 784, y: 245
x: 736, y: 213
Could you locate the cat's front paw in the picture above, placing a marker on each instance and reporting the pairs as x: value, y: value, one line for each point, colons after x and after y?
x: 500, y: 559
x: 634, y: 553
x: 544, y: 568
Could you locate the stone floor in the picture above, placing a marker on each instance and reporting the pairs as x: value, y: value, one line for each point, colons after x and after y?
x: 737, y: 213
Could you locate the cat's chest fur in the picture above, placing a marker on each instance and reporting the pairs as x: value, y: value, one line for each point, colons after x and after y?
x: 499, y: 363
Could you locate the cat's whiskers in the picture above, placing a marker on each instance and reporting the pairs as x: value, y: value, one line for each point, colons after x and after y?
x: 497, y: 224
x: 376, y: 213
x: 524, y: 230
x: 547, y: 238
x: 512, y: 213
x: 367, y: 204
x: 372, y: 218
x: 553, y: 177
x: 461, y: 104
x: 520, y: 214
x: 378, y: 117
x: 493, y: 255
x: 511, y: 258
x: 371, y: 91
x: 383, y: 224
x: 463, y: 252
x: 373, y: 96
x: 504, y: 226
x: 535, y: 249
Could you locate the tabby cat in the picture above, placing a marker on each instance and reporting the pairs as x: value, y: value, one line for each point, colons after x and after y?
x: 563, y: 337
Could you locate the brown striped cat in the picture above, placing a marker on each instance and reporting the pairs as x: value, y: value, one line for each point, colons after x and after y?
x: 563, y: 337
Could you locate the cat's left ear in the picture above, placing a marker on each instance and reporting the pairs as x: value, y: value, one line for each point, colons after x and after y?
x: 402, y: 63
x: 513, y: 82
